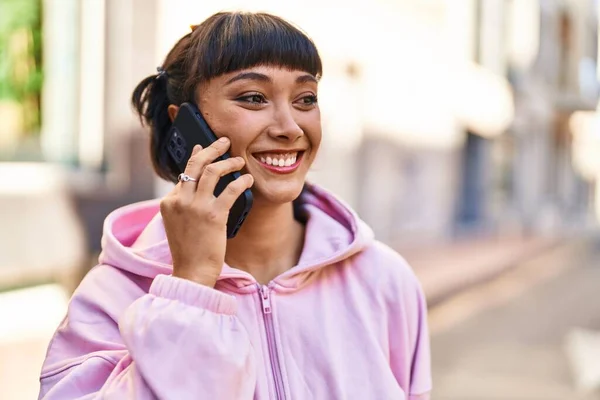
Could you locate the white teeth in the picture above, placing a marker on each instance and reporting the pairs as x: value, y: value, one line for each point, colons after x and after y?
x: 285, y: 160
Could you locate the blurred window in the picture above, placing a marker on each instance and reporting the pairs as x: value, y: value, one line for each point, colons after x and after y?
x: 566, y: 33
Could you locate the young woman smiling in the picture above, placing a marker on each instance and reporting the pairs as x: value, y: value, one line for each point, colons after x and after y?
x: 302, y: 304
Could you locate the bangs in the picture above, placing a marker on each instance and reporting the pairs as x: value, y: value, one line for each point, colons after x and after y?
x: 236, y: 41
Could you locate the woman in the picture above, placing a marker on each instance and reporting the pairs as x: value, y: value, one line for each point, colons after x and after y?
x: 302, y: 304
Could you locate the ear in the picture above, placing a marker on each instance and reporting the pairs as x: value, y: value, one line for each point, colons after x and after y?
x: 173, y: 109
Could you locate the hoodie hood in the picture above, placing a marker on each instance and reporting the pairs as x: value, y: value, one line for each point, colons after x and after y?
x: 134, y: 238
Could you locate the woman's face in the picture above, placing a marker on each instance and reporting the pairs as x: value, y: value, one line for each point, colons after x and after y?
x: 271, y: 116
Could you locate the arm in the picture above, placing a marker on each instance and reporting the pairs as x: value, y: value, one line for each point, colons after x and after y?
x: 409, y: 347
x: 179, y: 341
x: 420, y: 380
x: 419, y: 362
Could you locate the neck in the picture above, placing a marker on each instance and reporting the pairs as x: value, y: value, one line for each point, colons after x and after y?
x: 269, y: 242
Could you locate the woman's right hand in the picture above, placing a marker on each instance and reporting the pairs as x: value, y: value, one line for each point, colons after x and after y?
x: 195, y: 220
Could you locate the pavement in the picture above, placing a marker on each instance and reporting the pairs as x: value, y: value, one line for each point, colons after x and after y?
x: 29, y: 317
x: 528, y: 334
x: 447, y: 269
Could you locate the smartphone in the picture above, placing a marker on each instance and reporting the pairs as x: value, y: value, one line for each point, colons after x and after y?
x: 189, y: 129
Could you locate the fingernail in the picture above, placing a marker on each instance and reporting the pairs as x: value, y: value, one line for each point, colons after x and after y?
x: 223, y: 140
x: 196, y: 149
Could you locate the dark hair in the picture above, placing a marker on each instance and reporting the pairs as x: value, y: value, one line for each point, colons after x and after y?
x: 223, y: 43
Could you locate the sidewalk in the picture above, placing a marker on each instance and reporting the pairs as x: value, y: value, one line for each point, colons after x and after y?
x: 30, y: 316
x: 447, y: 269
x: 530, y: 333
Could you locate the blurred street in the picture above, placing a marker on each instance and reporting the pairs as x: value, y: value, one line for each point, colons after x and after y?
x: 488, y: 346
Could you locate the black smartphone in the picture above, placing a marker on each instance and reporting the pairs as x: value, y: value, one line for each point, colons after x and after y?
x: 189, y: 129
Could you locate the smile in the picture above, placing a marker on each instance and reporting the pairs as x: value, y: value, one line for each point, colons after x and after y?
x: 283, y: 163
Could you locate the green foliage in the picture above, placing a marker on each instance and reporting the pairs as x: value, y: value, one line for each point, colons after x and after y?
x: 21, y: 74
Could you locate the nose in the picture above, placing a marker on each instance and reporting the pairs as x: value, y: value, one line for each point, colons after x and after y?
x: 285, y: 126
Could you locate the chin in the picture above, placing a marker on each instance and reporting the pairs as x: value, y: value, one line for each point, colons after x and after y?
x: 277, y: 192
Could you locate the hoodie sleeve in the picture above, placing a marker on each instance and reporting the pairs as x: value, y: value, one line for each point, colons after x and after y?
x: 179, y: 341
x: 409, y: 346
x: 420, y: 380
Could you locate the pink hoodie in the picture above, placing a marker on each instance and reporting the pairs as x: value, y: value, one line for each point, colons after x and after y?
x: 348, y: 322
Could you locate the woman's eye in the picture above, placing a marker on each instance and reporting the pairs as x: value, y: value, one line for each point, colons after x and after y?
x: 308, y: 100
x: 253, y: 99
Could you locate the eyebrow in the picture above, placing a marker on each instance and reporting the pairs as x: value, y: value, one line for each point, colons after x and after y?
x: 306, y: 78
x: 255, y: 76
x: 252, y: 76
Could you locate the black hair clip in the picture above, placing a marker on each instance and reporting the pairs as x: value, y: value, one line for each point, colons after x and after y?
x: 161, y: 72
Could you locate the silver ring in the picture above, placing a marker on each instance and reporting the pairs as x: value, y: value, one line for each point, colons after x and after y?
x: 186, y: 178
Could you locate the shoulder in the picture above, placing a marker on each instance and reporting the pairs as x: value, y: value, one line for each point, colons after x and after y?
x: 91, y: 322
x: 390, y: 278
x: 105, y: 292
x: 383, y: 264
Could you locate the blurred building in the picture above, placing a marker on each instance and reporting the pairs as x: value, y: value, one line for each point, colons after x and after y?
x: 442, y: 119
x: 499, y: 177
x: 549, y: 191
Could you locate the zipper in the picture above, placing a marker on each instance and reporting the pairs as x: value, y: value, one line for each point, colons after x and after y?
x: 265, y: 297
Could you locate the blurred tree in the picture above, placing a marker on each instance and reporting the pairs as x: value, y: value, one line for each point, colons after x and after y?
x: 21, y: 61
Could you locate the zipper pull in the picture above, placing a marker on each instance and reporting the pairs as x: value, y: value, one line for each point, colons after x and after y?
x: 266, y: 299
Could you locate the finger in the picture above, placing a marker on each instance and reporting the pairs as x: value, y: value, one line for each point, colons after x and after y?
x: 199, y: 159
x: 213, y: 172
x: 234, y: 190
x: 214, y: 151
x: 193, y: 169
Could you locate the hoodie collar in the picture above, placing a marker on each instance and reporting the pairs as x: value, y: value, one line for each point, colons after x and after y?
x: 134, y: 239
